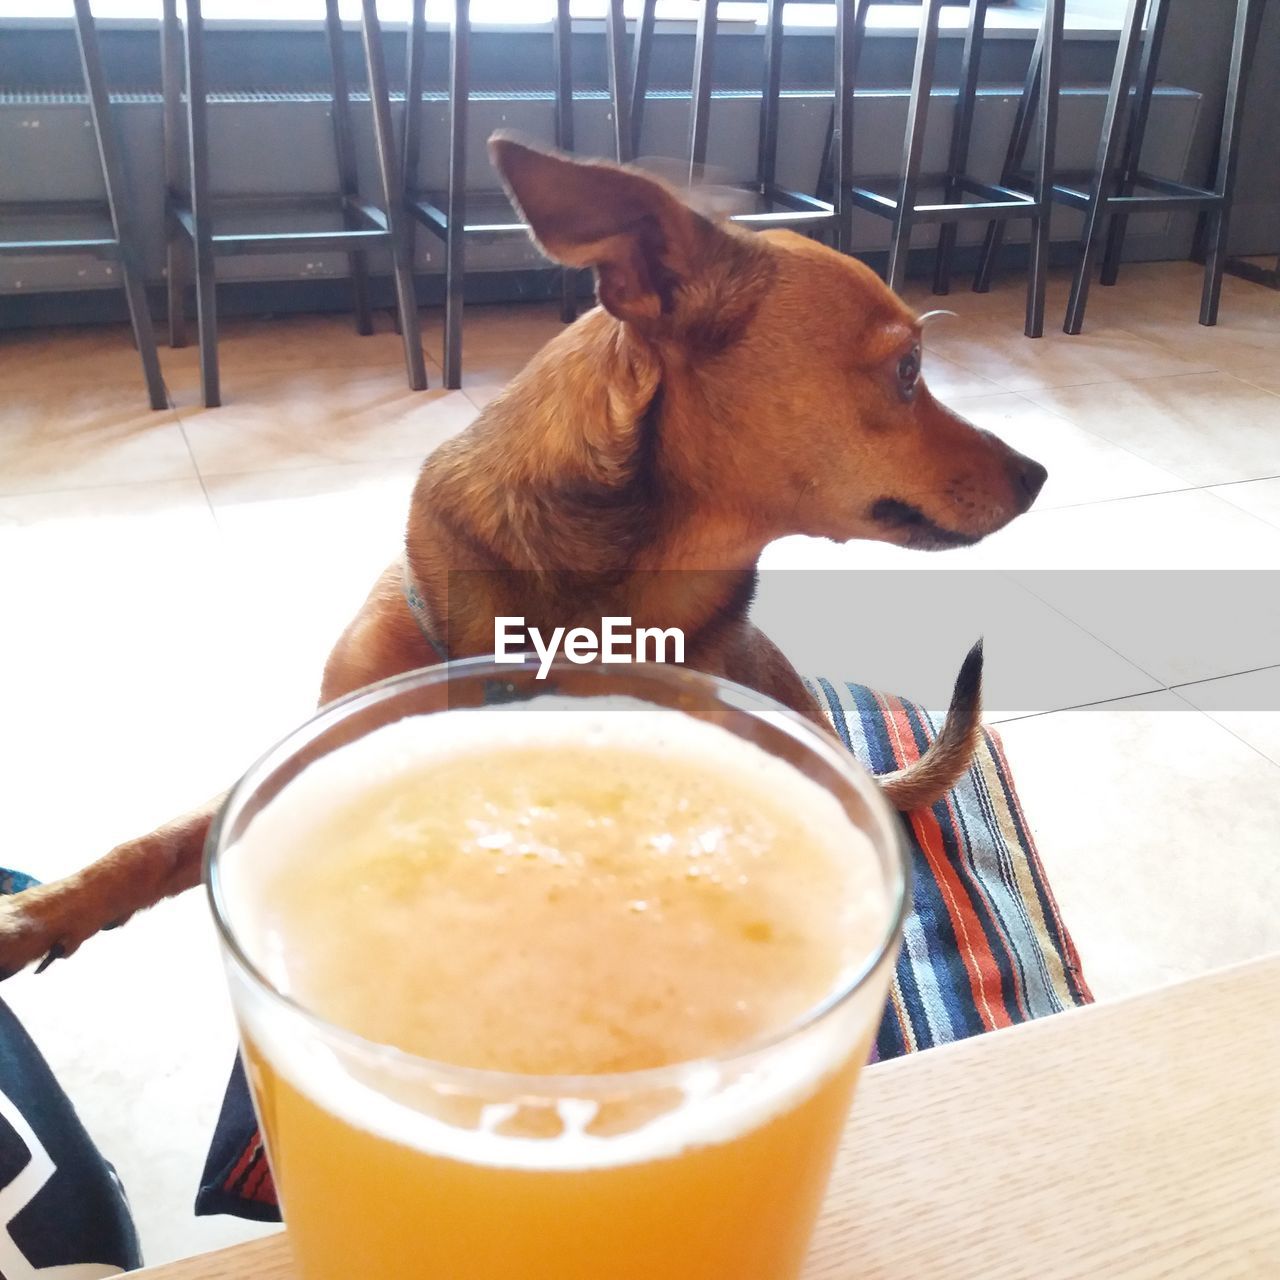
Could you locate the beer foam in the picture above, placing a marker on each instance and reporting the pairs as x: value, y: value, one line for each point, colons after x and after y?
x: 711, y: 1102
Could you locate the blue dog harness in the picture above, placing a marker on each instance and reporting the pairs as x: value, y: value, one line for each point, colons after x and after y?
x: 421, y: 613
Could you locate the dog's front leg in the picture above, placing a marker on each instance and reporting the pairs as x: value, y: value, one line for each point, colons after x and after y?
x: 52, y: 920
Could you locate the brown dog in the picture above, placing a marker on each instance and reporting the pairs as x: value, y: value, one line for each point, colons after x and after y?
x: 729, y: 390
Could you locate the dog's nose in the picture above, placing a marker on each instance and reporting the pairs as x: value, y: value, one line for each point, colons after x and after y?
x: 1028, y: 478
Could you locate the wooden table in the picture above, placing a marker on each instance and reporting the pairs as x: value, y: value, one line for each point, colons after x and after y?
x: 1134, y: 1139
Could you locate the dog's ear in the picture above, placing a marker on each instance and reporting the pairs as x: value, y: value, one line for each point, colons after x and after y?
x: 644, y: 243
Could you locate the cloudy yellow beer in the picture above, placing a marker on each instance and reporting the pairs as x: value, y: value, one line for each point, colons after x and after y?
x: 575, y: 959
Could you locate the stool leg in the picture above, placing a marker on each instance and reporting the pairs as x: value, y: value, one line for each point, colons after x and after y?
x: 1248, y: 16
x: 455, y: 244
x: 562, y: 33
x: 410, y: 160
x: 345, y: 151
x: 130, y: 261
x: 1199, y: 240
x: 1199, y: 251
x: 177, y: 273
x: 770, y: 97
x: 392, y: 193
x: 851, y: 18
x: 175, y: 238
x: 641, y: 52
x: 1155, y: 24
x: 1038, y: 272
x: 201, y: 214
x: 1104, y: 177
x: 700, y: 95
x: 615, y: 25
x: 917, y: 118
x: 1019, y: 139
x: 961, y: 132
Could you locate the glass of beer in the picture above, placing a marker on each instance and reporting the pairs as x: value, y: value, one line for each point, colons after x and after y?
x: 555, y: 979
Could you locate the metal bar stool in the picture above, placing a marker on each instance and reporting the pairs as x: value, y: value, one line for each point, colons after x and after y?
x: 194, y: 214
x: 996, y: 201
x: 491, y: 214
x: 774, y: 205
x: 121, y: 245
x: 1109, y: 193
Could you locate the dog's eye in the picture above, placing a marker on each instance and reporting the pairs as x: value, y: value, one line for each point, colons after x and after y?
x: 909, y: 373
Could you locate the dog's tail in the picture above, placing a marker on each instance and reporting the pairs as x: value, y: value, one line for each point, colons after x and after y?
x: 948, y: 756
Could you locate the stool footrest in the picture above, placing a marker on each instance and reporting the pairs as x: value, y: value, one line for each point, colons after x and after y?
x: 98, y: 248
x: 976, y: 211
x: 781, y: 207
x: 488, y: 213
x: 873, y: 201
x: 1169, y: 195
x: 1001, y: 202
x: 367, y: 224
x: 993, y: 191
x: 23, y: 228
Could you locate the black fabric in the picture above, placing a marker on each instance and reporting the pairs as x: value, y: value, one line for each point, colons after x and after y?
x: 61, y: 1204
x: 237, y: 1178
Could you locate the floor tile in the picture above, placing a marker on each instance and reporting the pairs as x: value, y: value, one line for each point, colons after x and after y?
x: 79, y: 518
x: 1191, y: 529
x: 1152, y: 300
x: 950, y: 381
x: 1245, y: 342
x: 298, y: 418
x: 1209, y: 428
x: 1100, y: 354
x: 485, y: 372
x: 1168, y: 292
x: 486, y: 325
x: 51, y: 357
x: 67, y: 434
x: 118, y: 671
x: 338, y: 502
x: 497, y: 342
x: 1083, y: 467
x: 1262, y: 375
x: 303, y: 549
x: 1157, y: 831
x: 253, y: 344
x: 482, y: 394
x: 1163, y: 295
x: 1248, y: 705
x: 1259, y: 497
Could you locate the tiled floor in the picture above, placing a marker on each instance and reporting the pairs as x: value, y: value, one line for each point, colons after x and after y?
x: 172, y: 580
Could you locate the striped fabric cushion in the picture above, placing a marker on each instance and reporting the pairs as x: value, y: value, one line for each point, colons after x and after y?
x: 984, y: 946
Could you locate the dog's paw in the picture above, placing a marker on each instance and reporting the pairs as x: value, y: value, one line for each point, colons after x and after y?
x: 34, y: 928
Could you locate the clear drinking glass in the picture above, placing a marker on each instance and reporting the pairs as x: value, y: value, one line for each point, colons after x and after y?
x: 391, y: 1167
